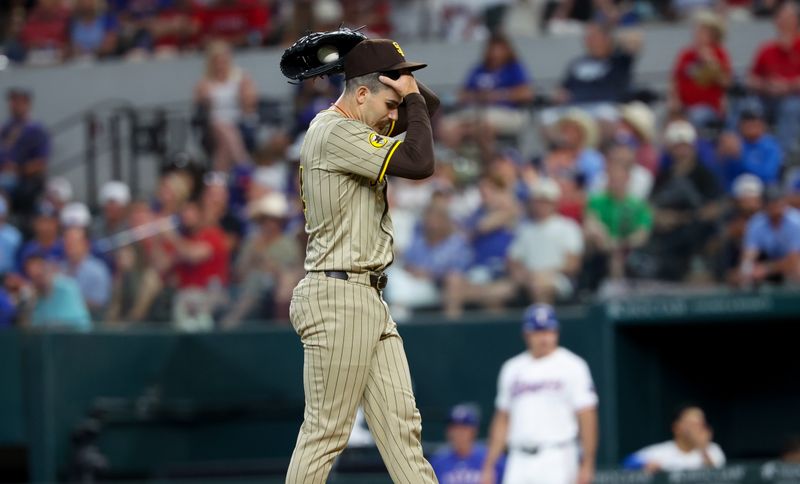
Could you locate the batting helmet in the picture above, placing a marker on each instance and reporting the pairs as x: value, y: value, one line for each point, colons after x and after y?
x: 540, y: 317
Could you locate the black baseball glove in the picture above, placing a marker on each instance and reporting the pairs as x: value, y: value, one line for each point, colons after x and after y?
x: 319, y: 54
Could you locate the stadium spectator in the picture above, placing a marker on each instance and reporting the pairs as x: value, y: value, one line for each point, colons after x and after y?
x: 137, y: 283
x: 702, y: 72
x: 174, y: 189
x: 637, y: 129
x: 640, y: 179
x: 45, y: 239
x: 490, y: 231
x: 775, y: 77
x: 691, y: 447
x: 24, y: 149
x: 115, y: 199
x: 575, y: 152
x: 94, y: 32
x: 494, y: 96
x: 436, y: 250
x: 8, y: 311
x: 216, y: 210
x: 545, y: 256
x: 10, y: 239
x: 686, y: 200
x: 462, y: 460
x: 45, y: 33
x: 747, y: 201
x: 269, y: 265
x: 793, y: 194
x: 772, y: 242
x: 157, y: 26
x: 751, y: 150
x: 604, y: 74
x: 227, y: 97
x: 58, y: 192
x: 199, y: 257
x: 240, y: 23
x: 91, y: 274
x: 615, y: 222
x: 57, y: 298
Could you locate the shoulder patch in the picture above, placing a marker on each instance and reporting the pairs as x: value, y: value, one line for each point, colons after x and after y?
x: 377, y: 140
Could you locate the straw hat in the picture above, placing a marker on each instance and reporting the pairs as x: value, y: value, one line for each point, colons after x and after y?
x: 584, y: 121
x: 641, y: 118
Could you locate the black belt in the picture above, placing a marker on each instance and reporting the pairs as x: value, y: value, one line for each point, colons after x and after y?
x: 535, y: 449
x: 377, y: 280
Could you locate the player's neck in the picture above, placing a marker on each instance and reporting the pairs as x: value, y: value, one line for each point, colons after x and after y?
x: 345, y: 107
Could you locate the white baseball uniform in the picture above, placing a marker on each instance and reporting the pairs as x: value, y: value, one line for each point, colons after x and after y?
x: 542, y: 397
x: 670, y: 457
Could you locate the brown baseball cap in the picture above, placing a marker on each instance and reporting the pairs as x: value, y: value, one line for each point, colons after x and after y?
x: 377, y: 55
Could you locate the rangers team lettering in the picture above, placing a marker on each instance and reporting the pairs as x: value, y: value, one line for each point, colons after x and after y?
x: 520, y: 387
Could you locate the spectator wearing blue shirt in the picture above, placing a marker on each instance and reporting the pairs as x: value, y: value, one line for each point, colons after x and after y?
x: 462, y: 461
x: 752, y: 150
x: 436, y: 250
x: 491, y: 231
x: 7, y: 309
x: 93, y: 32
x: 91, y: 274
x: 46, y: 239
x: 495, y: 94
x: 24, y: 149
x: 58, y: 300
x: 10, y: 239
x: 772, y: 242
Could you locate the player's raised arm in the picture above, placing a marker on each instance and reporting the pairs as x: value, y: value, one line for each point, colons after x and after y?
x: 432, y: 103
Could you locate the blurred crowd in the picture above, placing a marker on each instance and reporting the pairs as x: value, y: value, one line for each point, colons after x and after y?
x: 41, y: 32
x: 625, y: 192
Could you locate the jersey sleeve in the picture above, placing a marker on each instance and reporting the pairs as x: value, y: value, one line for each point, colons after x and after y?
x: 504, y: 383
x: 716, y: 455
x: 581, y: 388
x: 353, y: 147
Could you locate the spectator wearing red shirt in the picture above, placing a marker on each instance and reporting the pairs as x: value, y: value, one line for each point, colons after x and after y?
x: 45, y: 34
x: 775, y: 77
x: 240, y: 23
x: 201, y: 270
x: 702, y: 72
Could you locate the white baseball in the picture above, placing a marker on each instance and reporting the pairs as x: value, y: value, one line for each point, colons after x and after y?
x: 327, y: 54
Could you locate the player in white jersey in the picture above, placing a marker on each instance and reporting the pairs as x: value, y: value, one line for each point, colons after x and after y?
x: 546, y: 411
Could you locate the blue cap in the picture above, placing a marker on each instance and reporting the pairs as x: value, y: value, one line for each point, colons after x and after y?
x: 540, y: 317
x: 464, y: 414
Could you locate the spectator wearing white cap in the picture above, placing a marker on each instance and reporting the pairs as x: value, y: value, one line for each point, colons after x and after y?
x: 10, y: 238
x: 91, y: 274
x: 115, y: 199
x: 686, y: 198
x: 58, y: 191
x: 75, y: 214
x: 545, y: 256
x: 270, y: 264
x: 747, y: 201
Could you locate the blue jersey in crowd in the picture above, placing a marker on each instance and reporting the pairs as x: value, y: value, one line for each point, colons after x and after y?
x: 774, y: 242
x: 509, y: 76
x: 450, y: 468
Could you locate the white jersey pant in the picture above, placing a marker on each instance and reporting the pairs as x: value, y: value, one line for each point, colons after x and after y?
x: 553, y: 465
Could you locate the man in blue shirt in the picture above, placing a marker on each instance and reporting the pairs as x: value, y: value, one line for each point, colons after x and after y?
x: 10, y: 239
x: 772, y: 242
x: 461, y: 462
x: 91, y: 274
x: 46, y: 240
x: 24, y: 149
x: 58, y: 298
x: 751, y: 150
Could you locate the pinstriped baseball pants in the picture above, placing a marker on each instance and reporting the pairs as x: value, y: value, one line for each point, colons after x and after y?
x: 353, y: 355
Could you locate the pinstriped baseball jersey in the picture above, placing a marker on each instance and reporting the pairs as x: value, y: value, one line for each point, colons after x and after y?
x: 343, y: 187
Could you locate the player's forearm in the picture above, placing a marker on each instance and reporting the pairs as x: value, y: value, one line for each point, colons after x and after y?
x: 498, y: 433
x: 587, y: 422
x: 414, y: 156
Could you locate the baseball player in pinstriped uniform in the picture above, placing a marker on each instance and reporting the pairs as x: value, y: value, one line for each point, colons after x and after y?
x: 353, y: 353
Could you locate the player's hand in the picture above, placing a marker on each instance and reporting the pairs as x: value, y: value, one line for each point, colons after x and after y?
x: 404, y: 85
x: 488, y: 475
x: 585, y: 475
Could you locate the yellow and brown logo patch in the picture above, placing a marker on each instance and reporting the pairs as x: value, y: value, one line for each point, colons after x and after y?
x: 399, y: 49
x: 377, y: 140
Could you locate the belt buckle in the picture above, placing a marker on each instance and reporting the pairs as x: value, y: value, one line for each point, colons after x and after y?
x: 383, y: 279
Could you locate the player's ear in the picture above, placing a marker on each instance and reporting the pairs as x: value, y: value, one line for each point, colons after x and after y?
x: 361, y: 94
